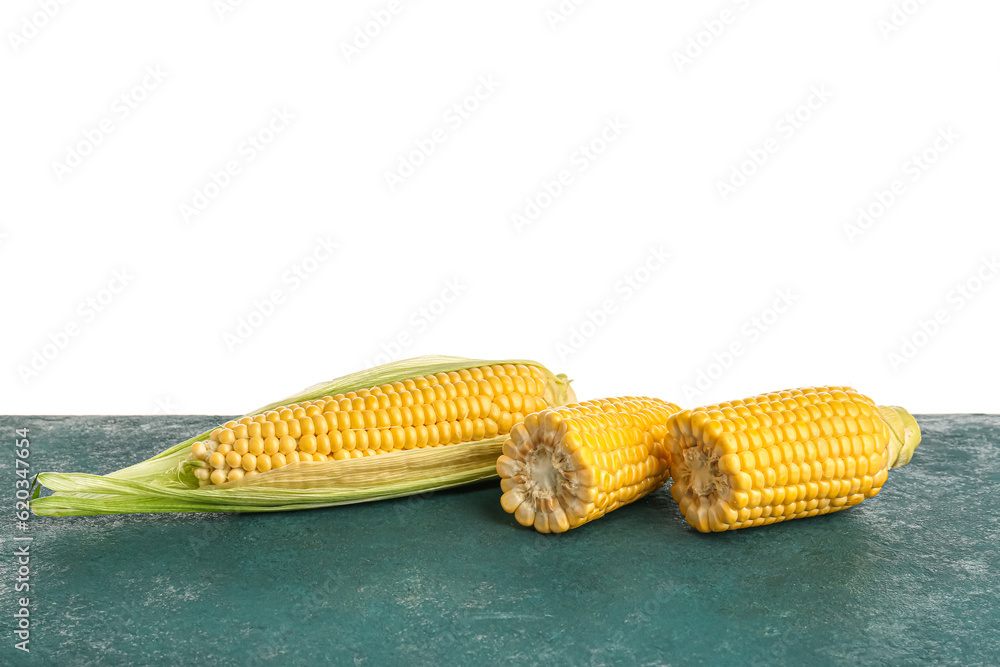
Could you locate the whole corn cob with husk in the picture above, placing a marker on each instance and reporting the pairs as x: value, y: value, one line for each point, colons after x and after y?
x: 568, y: 465
x: 784, y: 455
x: 408, y: 427
x: 434, y: 410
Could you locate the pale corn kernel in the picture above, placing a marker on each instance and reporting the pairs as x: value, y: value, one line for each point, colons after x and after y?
x: 336, y: 441
x: 307, y: 443
x: 249, y: 462
x: 330, y: 416
x: 320, y: 427
x: 362, y: 439
x: 271, y: 445
x: 350, y: 440
x: 287, y: 445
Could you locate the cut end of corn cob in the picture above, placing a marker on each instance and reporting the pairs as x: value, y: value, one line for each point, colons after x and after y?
x: 904, y: 434
x: 784, y: 455
x: 566, y: 466
x: 466, y: 405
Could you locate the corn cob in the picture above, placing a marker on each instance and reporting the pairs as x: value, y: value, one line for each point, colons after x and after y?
x: 566, y: 466
x: 465, y: 404
x: 784, y: 455
x: 427, y: 411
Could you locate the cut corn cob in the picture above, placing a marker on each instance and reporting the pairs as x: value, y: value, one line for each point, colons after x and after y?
x: 785, y: 455
x: 466, y: 405
x: 566, y: 466
x: 463, y: 403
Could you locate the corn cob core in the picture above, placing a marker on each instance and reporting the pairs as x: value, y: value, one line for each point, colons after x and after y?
x: 785, y: 455
x: 427, y: 411
x: 569, y: 465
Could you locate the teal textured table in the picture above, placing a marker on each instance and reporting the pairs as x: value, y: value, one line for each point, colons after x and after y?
x: 912, y: 575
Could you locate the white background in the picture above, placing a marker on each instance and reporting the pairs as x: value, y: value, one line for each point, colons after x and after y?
x: 160, y: 343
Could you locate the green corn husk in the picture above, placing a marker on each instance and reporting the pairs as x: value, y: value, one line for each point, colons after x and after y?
x: 163, y: 483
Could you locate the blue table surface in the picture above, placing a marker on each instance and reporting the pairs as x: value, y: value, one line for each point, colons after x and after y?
x: 910, y: 576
